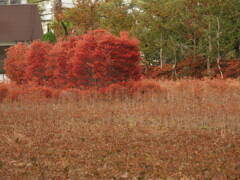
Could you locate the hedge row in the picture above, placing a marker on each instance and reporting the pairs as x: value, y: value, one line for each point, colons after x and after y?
x: 95, y: 59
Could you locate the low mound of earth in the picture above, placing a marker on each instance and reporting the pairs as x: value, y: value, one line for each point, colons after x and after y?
x: 195, y: 69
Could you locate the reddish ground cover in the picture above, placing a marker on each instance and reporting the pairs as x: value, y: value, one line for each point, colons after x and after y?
x: 196, y: 69
x: 151, y: 129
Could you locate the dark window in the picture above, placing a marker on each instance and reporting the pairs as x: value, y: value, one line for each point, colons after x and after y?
x: 2, y: 56
x: 4, y: 2
x: 15, y: 1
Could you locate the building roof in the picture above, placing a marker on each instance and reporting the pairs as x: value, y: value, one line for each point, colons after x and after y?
x: 19, y: 23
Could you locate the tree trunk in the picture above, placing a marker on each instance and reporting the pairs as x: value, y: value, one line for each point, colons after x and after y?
x: 218, y: 48
x: 161, y: 52
x: 57, y: 14
x: 174, y: 67
x: 194, y: 47
x: 57, y: 7
x: 209, y: 49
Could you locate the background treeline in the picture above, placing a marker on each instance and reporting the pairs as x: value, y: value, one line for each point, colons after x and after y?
x: 169, y: 30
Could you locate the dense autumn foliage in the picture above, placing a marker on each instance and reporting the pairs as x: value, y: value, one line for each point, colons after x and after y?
x: 15, y: 63
x: 101, y: 59
x: 95, y: 59
x: 58, y: 66
x: 37, y: 57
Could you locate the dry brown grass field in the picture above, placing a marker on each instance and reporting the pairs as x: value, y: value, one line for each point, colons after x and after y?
x: 186, y: 129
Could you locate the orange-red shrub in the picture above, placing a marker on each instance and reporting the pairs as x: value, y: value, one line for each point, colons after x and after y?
x: 117, y: 89
x: 15, y: 62
x: 3, y: 92
x: 96, y: 59
x: 37, y: 93
x: 58, y: 66
x: 145, y: 86
x: 37, y: 57
x: 102, y: 59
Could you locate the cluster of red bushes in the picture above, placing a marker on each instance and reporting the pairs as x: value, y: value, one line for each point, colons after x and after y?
x: 196, y: 69
x: 95, y: 59
x: 13, y: 92
x: 197, y: 89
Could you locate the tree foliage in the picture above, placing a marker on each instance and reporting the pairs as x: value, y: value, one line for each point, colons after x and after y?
x: 101, y: 59
x: 15, y: 62
x: 58, y: 66
x: 169, y: 30
x: 37, y: 57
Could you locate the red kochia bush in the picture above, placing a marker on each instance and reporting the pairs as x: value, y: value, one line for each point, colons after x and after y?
x: 96, y: 59
x: 3, y: 92
x: 15, y: 62
x: 102, y: 59
x: 58, y: 66
x: 37, y: 57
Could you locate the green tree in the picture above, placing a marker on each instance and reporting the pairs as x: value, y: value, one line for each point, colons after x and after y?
x: 194, y: 27
x: 169, y: 30
x: 84, y: 16
x: 114, y: 15
x: 158, y: 29
x: 117, y: 16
